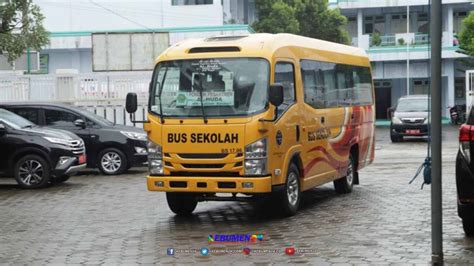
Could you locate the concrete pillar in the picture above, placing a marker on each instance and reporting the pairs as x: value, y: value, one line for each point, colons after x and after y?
x: 448, y: 89
x: 360, y: 24
x: 449, y: 26
x: 388, y: 24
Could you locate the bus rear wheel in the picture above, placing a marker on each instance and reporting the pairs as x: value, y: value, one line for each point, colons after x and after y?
x: 181, y: 203
x: 344, y: 185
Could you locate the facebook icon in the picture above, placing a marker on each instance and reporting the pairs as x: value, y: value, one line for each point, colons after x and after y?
x: 170, y: 251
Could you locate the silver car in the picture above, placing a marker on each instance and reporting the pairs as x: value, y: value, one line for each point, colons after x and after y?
x: 410, y: 118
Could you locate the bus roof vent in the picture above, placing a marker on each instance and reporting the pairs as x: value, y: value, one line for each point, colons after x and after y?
x: 225, y: 38
x: 218, y: 49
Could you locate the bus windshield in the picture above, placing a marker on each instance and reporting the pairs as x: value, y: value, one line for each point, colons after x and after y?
x: 229, y: 87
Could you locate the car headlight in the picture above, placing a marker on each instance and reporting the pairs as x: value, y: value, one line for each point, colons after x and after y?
x: 396, y: 121
x: 134, y: 135
x: 57, y: 141
x: 155, y: 158
x: 426, y: 121
x: 256, y: 158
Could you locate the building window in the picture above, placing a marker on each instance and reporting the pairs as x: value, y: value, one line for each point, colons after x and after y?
x: 374, y: 24
x: 191, y: 2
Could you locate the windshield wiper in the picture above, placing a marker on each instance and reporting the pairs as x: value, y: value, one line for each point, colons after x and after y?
x: 27, y: 126
x: 202, y: 101
x: 160, y: 84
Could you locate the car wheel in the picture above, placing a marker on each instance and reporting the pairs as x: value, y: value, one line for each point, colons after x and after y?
x: 395, y: 138
x: 290, y: 197
x: 181, y: 203
x: 344, y: 185
x: 112, y: 162
x: 32, y: 171
x: 61, y: 179
x: 468, y: 226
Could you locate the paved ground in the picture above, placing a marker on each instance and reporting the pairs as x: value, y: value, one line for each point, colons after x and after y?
x: 97, y: 219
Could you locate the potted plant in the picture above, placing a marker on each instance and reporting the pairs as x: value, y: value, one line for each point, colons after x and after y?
x: 376, y: 39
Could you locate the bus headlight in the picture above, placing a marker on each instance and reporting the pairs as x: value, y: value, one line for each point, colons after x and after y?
x: 256, y: 158
x: 155, y: 158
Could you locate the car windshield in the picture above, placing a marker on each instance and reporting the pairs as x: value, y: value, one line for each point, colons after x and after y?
x: 229, y: 87
x: 95, y: 118
x: 14, y: 120
x: 413, y: 105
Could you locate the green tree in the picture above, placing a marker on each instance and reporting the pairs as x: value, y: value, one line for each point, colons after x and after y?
x: 466, y: 36
x: 313, y: 18
x: 280, y: 17
x: 21, y: 28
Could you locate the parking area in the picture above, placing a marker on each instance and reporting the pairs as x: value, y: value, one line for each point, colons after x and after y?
x: 113, y: 219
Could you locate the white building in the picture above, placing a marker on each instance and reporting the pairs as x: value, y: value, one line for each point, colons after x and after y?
x: 388, y: 19
x: 72, y: 22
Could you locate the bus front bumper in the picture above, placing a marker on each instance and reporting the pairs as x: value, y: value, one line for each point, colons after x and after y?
x: 210, y: 184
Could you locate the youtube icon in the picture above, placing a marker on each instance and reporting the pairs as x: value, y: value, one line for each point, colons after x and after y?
x: 290, y: 251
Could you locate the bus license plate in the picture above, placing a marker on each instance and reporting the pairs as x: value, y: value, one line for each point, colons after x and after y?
x: 413, y: 131
x: 82, y: 159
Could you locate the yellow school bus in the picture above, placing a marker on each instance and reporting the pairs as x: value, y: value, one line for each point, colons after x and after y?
x: 238, y: 117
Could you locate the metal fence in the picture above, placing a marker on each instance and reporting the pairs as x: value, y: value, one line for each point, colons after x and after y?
x: 101, y: 93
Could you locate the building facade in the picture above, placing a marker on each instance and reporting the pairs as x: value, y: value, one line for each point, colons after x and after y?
x: 395, y: 35
x: 72, y: 23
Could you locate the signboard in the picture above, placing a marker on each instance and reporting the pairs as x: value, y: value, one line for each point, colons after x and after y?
x: 210, y: 98
x: 127, y: 51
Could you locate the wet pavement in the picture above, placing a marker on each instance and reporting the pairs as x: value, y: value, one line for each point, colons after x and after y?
x: 98, y: 219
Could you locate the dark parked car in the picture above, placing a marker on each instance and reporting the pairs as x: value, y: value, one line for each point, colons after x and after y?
x: 112, y: 148
x: 465, y: 175
x: 410, y: 118
x: 37, y: 156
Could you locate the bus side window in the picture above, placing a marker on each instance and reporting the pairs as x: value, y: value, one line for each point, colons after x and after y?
x: 285, y: 74
x: 313, y: 84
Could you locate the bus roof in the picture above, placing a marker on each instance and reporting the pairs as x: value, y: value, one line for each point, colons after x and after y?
x: 257, y: 45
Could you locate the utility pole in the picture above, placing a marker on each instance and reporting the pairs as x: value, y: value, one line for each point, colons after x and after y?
x: 408, y: 50
x: 436, y: 189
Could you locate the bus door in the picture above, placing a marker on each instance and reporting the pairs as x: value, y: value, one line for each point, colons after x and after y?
x: 320, y: 164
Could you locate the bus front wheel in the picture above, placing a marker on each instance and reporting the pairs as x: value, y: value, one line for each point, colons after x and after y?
x: 181, y: 203
x: 290, y: 197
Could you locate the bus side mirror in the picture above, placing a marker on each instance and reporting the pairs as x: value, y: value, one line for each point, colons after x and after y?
x: 276, y: 99
x: 131, y: 103
x: 276, y: 94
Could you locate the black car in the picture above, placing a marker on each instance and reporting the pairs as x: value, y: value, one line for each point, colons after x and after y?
x: 465, y: 175
x: 112, y: 148
x: 37, y: 156
x: 410, y: 118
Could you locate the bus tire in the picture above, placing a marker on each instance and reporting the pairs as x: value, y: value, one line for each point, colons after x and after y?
x: 344, y: 185
x: 290, y: 197
x: 181, y: 203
